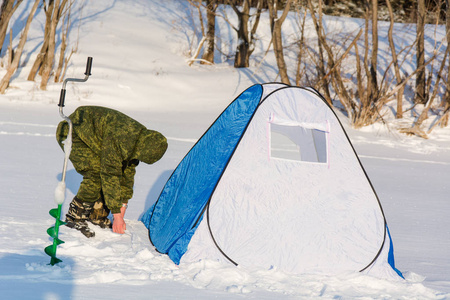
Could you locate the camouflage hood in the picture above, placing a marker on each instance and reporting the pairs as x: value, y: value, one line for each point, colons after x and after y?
x: 150, y: 146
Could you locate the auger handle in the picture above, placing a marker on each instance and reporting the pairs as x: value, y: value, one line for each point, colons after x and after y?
x: 62, y: 95
x: 88, y: 66
x: 61, y: 105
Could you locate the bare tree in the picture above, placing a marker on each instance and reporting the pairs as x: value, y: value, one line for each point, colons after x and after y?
x: 359, y: 79
x: 301, y: 45
x: 320, y: 66
x: 374, y: 58
x: 54, y: 10
x: 335, y: 72
x: 245, y: 31
x: 366, y: 51
x: 7, y: 9
x: 43, y: 52
x: 47, y: 64
x: 275, y: 25
x: 416, y: 129
x: 366, y: 110
x: 208, y: 52
x: 64, y: 33
x: 197, y: 4
x: 398, y: 76
x: 431, y: 96
x: 420, y: 96
x: 446, y: 103
x: 15, y: 63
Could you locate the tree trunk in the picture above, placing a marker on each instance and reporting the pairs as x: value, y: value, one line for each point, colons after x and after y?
x: 366, y: 93
x: 373, y: 66
x: 321, y: 65
x: 208, y: 53
x: 7, y: 10
x: 44, y: 60
x: 243, y: 47
x: 447, y: 90
x: 301, y: 45
x: 64, y: 35
x: 358, y: 74
x: 246, y: 38
x: 398, y: 77
x: 47, y: 64
x: 61, y: 54
x: 420, y: 96
x: 15, y: 63
x: 336, y: 81
x: 424, y: 115
x: 276, y: 24
x: 38, y: 62
x: 10, y: 48
x: 416, y: 129
x: 44, y: 49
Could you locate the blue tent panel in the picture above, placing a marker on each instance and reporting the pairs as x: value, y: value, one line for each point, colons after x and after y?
x: 391, y: 259
x: 182, y: 201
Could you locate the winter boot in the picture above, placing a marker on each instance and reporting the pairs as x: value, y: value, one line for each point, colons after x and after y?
x: 77, y: 216
x: 99, y: 214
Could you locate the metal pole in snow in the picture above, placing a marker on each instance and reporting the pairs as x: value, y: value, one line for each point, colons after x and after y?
x: 60, y: 191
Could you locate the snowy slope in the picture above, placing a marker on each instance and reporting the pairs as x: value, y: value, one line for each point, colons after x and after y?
x: 140, y: 68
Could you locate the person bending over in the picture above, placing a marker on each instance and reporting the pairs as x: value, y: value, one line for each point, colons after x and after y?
x: 107, y: 145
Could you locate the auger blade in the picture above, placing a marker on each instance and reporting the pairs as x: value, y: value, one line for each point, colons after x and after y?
x: 58, y: 241
x: 54, y: 261
x: 52, y: 232
x: 54, y: 213
x: 50, y: 250
x: 59, y: 222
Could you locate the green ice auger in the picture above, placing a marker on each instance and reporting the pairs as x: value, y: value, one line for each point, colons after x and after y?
x: 60, y: 191
x: 53, y: 232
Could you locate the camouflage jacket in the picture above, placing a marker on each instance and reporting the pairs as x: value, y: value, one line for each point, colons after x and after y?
x: 118, y: 141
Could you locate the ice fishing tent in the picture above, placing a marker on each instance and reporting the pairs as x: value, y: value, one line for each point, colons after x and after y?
x: 274, y: 183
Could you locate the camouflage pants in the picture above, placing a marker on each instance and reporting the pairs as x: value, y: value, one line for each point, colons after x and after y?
x: 87, y: 164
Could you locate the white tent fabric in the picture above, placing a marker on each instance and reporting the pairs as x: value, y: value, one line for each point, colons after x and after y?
x: 311, y: 211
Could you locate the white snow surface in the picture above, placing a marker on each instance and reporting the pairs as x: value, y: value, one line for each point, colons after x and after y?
x: 140, y: 49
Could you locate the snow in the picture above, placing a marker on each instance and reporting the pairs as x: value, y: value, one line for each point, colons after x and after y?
x: 140, y: 50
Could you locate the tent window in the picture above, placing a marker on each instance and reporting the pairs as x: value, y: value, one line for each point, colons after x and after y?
x: 298, y: 143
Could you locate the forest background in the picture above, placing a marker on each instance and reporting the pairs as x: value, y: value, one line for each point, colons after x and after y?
x: 343, y: 66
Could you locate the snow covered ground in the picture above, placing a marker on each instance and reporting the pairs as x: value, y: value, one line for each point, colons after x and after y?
x: 139, y: 68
